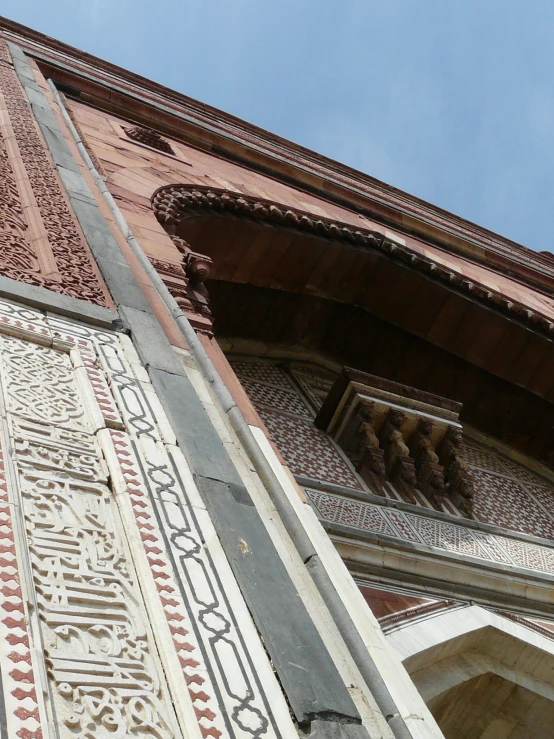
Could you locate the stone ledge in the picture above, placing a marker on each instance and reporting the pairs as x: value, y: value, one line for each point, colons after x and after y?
x: 468, y: 523
x: 48, y: 300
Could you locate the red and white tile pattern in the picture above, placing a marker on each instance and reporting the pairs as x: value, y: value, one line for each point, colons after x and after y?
x: 508, y: 494
x: 307, y: 450
x: 431, y: 532
x: 23, y: 717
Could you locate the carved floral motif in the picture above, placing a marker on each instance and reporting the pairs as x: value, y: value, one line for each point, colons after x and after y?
x: 77, y: 274
x: 149, y: 137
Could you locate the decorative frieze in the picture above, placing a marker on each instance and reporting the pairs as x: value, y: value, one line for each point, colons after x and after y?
x: 431, y: 532
x: 103, y: 668
x: 184, y: 643
x: 61, y: 261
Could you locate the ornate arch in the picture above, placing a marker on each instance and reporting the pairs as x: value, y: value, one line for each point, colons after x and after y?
x: 460, y: 652
x: 172, y: 204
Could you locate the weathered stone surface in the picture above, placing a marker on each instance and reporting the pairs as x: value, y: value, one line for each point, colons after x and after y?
x: 193, y: 428
x: 121, y: 281
x: 75, y: 184
x: 312, y: 682
x: 334, y: 730
x: 150, y: 341
x: 310, y: 678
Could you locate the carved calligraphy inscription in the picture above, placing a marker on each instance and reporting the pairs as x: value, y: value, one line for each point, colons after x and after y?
x: 104, y: 675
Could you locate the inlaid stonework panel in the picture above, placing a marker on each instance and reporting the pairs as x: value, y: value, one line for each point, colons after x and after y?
x: 509, y: 494
x: 439, y: 534
x: 104, y: 672
x: 119, y: 613
x: 288, y: 415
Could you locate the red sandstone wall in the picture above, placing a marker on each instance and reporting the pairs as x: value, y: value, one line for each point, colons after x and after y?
x: 134, y: 172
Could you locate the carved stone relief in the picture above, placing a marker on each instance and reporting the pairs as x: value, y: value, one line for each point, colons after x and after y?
x: 61, y: 260
x: 18, y: 259
x: 400, y: 435
x: 149, y: 137
x: 109, y: 503
x: 104, y: 673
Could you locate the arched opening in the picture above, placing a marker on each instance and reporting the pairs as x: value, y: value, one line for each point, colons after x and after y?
x: 361, y: 296
x: 481, y: 675
x: 491, y: 707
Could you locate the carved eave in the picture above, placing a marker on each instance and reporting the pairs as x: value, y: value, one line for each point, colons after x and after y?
x: 178, y: 116
x: 175, y: 203
x: 284, y: 275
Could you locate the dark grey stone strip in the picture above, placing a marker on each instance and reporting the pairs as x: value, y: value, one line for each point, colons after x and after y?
x: 307, y: 671
x: 48, y: 300
x: 312, y: 683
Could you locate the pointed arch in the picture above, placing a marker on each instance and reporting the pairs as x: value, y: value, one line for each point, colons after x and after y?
x: 481, y: 674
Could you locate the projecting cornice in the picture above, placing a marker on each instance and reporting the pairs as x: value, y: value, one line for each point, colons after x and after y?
x: 105, y: 85
x: 174, y: 203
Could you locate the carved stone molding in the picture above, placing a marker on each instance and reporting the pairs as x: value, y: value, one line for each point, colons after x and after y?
x: 394, y: 433
x: 188, y: 290
x: 173, y: 203
x: 149, y: 137
x: 185, y: 281
x: 437, y: 534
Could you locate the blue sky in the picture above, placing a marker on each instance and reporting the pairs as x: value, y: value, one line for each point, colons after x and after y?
x: 451, y: 100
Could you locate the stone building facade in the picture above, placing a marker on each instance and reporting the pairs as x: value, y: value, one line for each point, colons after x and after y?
x: 276, y: 451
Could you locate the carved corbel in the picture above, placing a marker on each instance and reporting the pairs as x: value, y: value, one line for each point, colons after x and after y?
x: 176, y: 281
x: 369, y: 458
x: 460, y: 485
x: 429, y: 470
x: 197, y: 268
x: 185, y: 280
x: 400, y: 466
